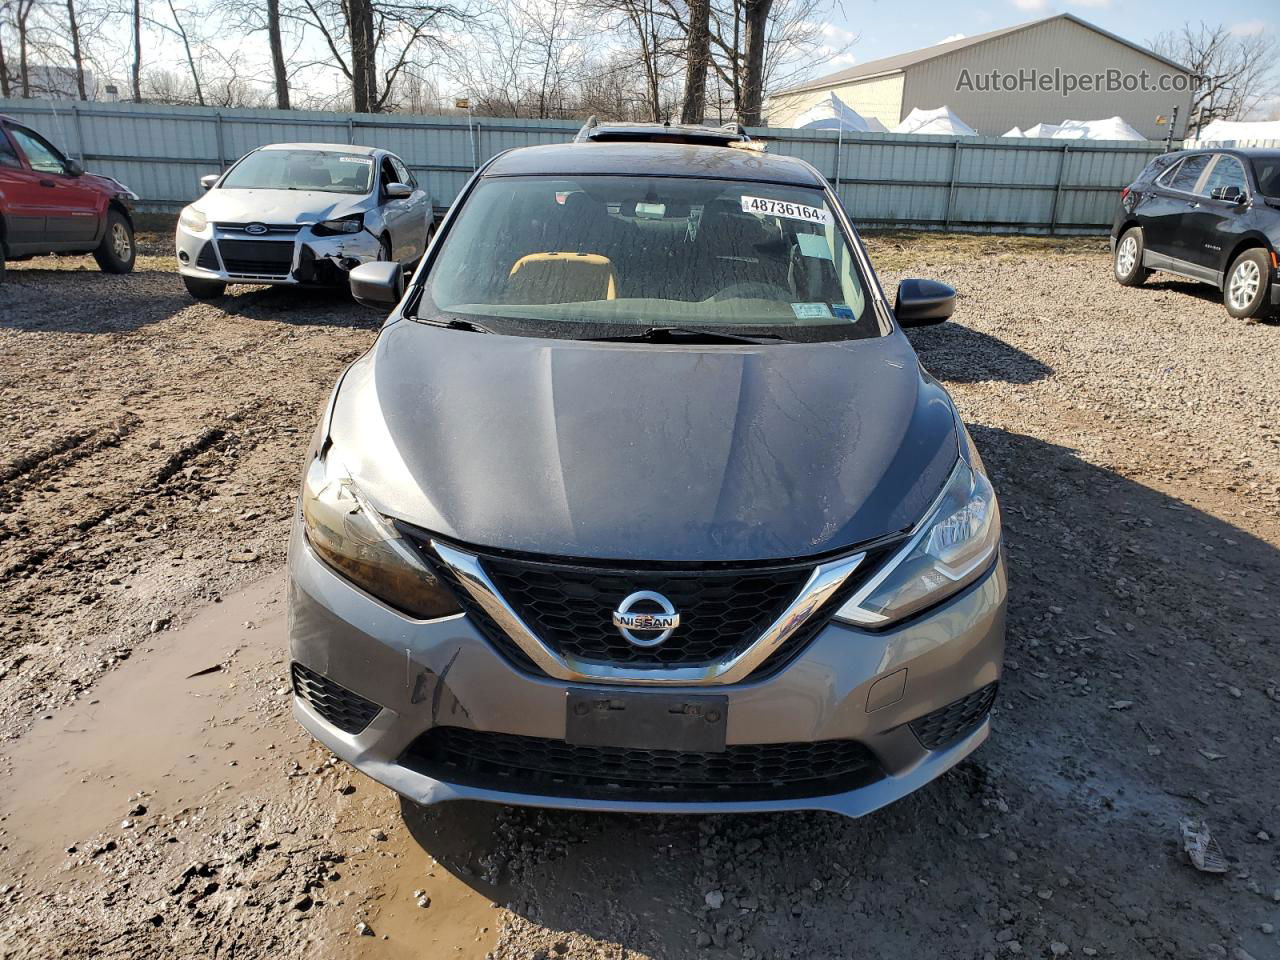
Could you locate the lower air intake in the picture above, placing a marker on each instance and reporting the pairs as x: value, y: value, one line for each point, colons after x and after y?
x: 347, y: 711
x: 957, y: 719
x: 516, y: 764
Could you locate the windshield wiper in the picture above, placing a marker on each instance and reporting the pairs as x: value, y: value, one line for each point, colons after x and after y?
x: 686, y: 335
x: 455, y: 323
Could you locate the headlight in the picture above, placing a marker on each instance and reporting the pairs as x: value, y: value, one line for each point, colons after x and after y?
x: 357, y: 541
x: 329, y: 228
x: 952, y: 547
x: 193, y: 219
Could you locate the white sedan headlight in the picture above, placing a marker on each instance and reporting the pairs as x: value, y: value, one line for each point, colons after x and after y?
x: 193, y: 219
x: 950, y: 549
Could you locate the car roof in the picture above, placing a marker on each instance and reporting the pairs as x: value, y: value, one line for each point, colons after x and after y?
x: 335, y: 147
x: 1250, y: 153
x: 641, y: 159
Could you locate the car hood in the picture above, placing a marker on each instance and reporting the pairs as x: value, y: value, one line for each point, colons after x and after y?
x: 278, y: 206
x: 108, y: 185
x: 644, y: 452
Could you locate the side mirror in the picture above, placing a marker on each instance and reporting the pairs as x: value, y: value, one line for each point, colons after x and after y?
x: 73, y: 168
x: 923, y: 302
x: 209, y: 179
x: 398, y: 191
x: 379, y: 284
x: 1229, y: 194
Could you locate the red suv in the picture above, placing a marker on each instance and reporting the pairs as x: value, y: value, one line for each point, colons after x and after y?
x: 48, y: 204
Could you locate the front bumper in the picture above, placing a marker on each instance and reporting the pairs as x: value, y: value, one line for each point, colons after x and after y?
x: 444, y: 673
x: 295, y: 255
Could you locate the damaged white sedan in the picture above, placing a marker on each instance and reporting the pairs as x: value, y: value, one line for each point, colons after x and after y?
x: 301, y: 213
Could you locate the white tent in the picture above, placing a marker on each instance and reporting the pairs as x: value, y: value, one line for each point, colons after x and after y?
x: 1041, y: 131
x: 1013, y: 132
x: 1112, y: 128
x: 941, y: 120
x: 1241, y: 130
x: 832, y: 113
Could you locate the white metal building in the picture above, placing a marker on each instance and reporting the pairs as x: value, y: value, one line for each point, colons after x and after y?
x: 1039, y: 72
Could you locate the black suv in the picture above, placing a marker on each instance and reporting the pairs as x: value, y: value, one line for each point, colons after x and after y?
x: 1211, y: 215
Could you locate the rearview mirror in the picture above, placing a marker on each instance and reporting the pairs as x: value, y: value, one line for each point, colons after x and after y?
x: 209, y: 179
x: 73, y: 168
x: 1229, y: 194
x: 379, y: 284
x: 398, y: 191
x: 923, y: 302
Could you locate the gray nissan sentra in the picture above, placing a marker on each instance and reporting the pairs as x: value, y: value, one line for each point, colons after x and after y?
x: 642, y: 501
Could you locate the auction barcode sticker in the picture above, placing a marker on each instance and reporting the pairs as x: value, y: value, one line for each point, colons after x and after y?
x: 785, y: 208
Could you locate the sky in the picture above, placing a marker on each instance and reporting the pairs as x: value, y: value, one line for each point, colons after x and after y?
x: 876, y: 27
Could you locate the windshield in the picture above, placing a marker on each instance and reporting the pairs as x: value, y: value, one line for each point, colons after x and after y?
x: 323, y: 170
x: 594, y: 256
x: 1267, y: 170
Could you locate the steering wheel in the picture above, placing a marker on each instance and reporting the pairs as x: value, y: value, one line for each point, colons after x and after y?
x: 753, y: 290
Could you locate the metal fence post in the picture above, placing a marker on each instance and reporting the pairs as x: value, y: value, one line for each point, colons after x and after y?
x: 75, y: 114
x: 839, y: 151
x: 951, y: 193
x: 1057, y: 192
x: 222, y: 153
x: 351, y: 130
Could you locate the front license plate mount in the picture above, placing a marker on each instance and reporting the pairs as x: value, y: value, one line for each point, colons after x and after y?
x: 646, y: 721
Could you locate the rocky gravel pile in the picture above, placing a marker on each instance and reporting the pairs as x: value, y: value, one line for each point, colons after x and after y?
x: 148, y: 466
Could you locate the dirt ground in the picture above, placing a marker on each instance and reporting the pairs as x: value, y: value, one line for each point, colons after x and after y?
x: 157, y: 799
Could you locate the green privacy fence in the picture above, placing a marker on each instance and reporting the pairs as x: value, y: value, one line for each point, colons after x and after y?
x: 884, y: 180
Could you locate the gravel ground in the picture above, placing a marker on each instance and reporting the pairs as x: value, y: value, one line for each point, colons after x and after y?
x: 158, y: 800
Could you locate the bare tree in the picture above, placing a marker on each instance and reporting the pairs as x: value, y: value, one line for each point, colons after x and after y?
x: 1231, y: 73
x: 22, y: 10
x: 357, y: 33
x: 5, y: 10
x: 697, y: 56
x: 136, y: 75
x: 522, y: 61
x: 755, y: 17
x: 182, y: 34
x: 248, y: 19
x: 654, y: 38
x: 753, y: 45
x: 274, y: 41
x: 77, y: 55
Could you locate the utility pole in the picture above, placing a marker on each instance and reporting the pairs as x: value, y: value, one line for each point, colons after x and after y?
x: 1173, y: 125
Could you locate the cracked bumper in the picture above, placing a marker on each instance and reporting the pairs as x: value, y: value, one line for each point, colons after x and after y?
x: 301, y: 257
x: 445, y: 673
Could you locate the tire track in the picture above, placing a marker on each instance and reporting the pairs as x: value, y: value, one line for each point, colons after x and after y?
x: 137, y: 500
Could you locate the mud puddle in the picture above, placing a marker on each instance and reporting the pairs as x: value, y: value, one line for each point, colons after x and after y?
x: 150, y: 727
x: 199, y: 717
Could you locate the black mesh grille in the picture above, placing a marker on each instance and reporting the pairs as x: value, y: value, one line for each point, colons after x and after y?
x: 723, y: 608
x: 482, y: 622
x: 501, y: 761
x: 571, y: 608
x: 257, y: 257
x: 347, y: 711
x: 207, y: 259
x: 947, y: 725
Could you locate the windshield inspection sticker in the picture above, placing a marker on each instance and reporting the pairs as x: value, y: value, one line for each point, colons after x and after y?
x: 814, y: 245
x: 785, y: 208
x: 811, y: 311
x: 354, y: 160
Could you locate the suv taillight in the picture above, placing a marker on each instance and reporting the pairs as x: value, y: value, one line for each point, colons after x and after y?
x: 1124, y: 194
